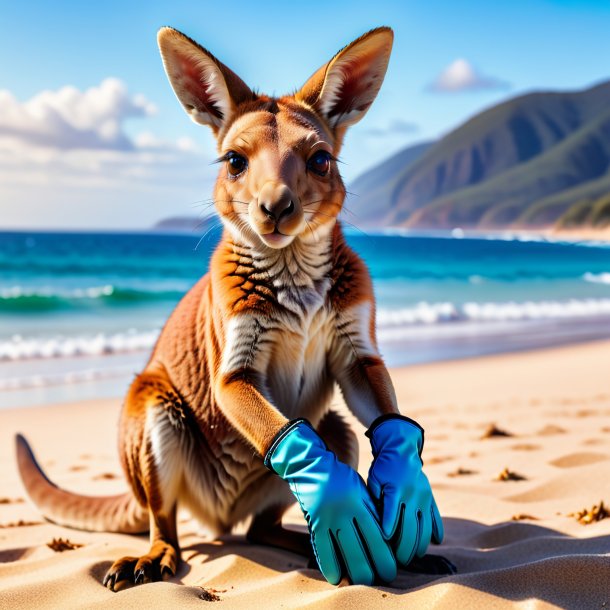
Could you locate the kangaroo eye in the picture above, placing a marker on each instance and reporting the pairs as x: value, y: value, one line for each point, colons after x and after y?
x: 319, y: 163
x: 236, y: 164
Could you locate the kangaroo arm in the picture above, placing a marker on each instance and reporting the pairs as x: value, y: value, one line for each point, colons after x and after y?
x: 248, y: 410
x: 240, y: 389
x: 358, y: 367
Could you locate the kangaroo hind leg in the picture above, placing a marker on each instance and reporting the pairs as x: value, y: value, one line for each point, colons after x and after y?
x: 152, y: 428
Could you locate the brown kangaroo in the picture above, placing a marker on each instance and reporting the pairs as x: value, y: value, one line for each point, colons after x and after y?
x: 285, y: 311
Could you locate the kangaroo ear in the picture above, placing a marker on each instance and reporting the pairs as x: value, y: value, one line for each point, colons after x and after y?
x: 343, y: 89
x: 207, y: 89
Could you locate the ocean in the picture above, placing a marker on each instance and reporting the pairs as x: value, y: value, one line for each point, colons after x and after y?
x: 79, y: 312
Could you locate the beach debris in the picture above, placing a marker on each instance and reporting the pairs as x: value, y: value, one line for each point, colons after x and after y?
x: 59, y: 545
x: 11, y: 500
x: 438, y: 459
x: 493, y: 431
x: 509, y: 475
x: 523, y: 517
x: 525, y: 447
x: 20, y: 523
x: 209, y: 594
x: 594, y: 441
x: 550, y: 430
x: 461, y: 472
x: 586, y: 516
x: 105, y: 476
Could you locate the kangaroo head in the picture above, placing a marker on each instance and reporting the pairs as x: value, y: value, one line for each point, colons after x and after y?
x: 279, y: 180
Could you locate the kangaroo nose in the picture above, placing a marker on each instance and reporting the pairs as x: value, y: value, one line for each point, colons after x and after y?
x: 276, y: 201
x: 275, y: 211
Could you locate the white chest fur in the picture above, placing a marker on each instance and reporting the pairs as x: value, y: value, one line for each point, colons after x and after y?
x: 288, y: 347
x: 297, y: 372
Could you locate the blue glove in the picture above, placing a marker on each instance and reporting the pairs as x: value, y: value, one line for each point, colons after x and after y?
x: 339, y: 511
x: 409, y: 515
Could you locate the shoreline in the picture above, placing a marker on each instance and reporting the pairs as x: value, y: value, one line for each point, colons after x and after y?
x: 426, y: 368
x: 40, y: 381
x: 550, y: 234
x: 554, y: 404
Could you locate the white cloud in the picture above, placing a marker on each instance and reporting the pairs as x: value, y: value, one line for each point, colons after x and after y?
x: 67, y: 161
x: 69, y: 118
x: 460, y: 75
x: 146, y: 139
x: 396, y: 127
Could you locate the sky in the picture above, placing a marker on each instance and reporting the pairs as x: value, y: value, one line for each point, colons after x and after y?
x: 92, y: 136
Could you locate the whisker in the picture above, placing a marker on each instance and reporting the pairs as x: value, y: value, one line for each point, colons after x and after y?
x: 207, y: 203
x: 342, y: 220
x: 343, y: 207
x: 346, y: 209
x: 240, y: 220
x: 351, y: 224
x: 214, y: 226
x: 205, y: 207
x: 312, y: 202
x: 204, y: 203
x: 311, y: 230
x: 316, y: 212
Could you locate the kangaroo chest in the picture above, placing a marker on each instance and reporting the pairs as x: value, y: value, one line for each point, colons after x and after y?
x: 286, y: 335
x: 297, y: 374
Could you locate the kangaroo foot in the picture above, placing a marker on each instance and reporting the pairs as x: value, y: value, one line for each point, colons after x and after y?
x: 159, y: 563
x: 281, y: 538
x: 267, y: 529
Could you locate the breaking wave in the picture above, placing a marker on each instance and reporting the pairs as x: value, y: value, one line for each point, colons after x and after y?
x: 24, y: 348
x: 597, y: 278
x: 422, y: 314
x: 442, y: 313
x: 22, y: 299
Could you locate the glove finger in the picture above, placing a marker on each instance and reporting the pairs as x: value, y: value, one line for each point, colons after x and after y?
x: 425, y: 532
x: 373, y: 485
x: 326, y: 555
x: 379, y: 550
x: 408, y: 540
x: 438, y: 529
x: 358, y: 567
x: 390, y: 511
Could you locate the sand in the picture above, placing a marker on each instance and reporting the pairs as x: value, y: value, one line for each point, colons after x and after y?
x: 580, y: 234
x: 553, y: 404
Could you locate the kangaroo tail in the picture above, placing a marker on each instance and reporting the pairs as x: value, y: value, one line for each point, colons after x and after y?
x: 120, y: 513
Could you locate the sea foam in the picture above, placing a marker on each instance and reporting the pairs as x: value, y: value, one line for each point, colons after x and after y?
x: 422, y: 314
x: 442, y: 313
x: 597, y: 278
x: 28, y: 348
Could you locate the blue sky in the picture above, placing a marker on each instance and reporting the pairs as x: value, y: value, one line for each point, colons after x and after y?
x: 450, y: 60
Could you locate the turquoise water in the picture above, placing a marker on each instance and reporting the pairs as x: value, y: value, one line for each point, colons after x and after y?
x: 80, y: 309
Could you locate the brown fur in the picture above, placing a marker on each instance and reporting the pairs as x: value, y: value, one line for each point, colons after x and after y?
x: 286, y: 310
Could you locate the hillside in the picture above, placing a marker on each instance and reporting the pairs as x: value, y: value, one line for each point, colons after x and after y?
x: 522, y: 163
x: 377, y: 181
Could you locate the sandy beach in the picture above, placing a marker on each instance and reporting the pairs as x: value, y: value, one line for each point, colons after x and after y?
x: 580, y: 234
x: 516, y: 543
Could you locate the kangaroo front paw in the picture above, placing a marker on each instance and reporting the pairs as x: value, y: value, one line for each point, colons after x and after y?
x: 159, y: 563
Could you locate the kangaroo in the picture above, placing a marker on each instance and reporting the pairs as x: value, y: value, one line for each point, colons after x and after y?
x: 285, y: 311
